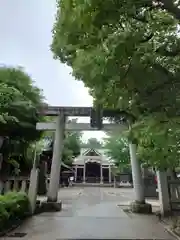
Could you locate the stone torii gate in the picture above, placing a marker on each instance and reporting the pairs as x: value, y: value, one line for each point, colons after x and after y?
x: 60, y: 126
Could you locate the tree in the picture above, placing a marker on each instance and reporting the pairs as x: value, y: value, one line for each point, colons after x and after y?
x: 72, y: 144
x: 127, y: 56
x: 118, y: 151
x: 159, y: 144
x: 136, y: 54
x: 20, y: 100
x: 92, y: 143
x: 19, y: 103
x: 72, y: 147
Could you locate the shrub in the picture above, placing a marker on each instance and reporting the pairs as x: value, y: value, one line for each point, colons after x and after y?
x: 4, y: 216
x: 13, y: 206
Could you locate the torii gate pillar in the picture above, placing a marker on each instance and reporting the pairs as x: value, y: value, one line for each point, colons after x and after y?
x: 57, y: 159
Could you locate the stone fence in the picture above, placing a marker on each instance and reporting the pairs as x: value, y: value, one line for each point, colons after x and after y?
x: 14, y: 184
x: 174, y: 194
x: 19, y: 183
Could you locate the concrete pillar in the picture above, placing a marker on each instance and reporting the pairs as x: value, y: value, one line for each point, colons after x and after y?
x: 114, y: 181
x: 1, y: 160
x: 164, y: 197
x: 56, y: 160
x: 145, y: 171
x: 174, y: 190
x: 1, y: 187
x: 84, y: 172
x: 15, y: 185
x: 110, y: 174
x: 75, y: 173
x: 7, y: 187
x: 33, y: 187
x: 101, y: 174
x: 23, y: 186
x: 136, y: 174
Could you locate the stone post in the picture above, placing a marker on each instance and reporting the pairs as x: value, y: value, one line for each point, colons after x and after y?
x: 101, y: 174
x: 136, y: 174
x: 164, y: 198
x: 8, y: 186
x: 1, y: 187
x: 139, y: 204
x: 1, y: 160
x: 114, y: 182
x: 56, y: 160
x: 84, y: 173
x: 42, y: 188
x: 75, y: 173
x: 33, y: 186
x: 23, y: 186
x: 110, y: 174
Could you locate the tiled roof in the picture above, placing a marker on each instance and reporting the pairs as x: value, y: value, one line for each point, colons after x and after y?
x: 102, y: 152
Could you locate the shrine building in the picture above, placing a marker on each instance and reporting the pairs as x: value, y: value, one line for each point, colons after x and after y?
x: 93, y: 166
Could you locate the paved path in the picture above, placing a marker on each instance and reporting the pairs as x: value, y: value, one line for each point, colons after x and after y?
x: 91, y: 213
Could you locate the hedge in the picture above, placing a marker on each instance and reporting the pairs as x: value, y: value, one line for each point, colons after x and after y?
x: 14, y: 206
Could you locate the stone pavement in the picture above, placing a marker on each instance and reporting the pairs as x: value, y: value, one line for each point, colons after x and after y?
x: 126, y: 196
x: 92, y: 213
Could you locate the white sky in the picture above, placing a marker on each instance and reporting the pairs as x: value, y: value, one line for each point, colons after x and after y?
x: 25, y: 30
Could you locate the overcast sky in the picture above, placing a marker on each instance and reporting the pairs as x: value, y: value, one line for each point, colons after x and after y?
x: 25, y: 38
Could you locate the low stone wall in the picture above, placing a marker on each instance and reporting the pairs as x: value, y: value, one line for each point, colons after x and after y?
x: 14, y: 184
x: 150, y: 187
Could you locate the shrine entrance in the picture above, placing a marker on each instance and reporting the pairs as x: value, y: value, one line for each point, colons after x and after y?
x: 96, y: 123
x: 93, y: 172
x: 92, y: 162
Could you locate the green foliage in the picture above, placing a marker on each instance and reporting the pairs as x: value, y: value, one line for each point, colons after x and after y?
x: 72, y: 142
x: 4, y: 216
x: 33, y: 151
x: 118, y: 56
x: 19, y: 103
x: 72, y: 145
x: 13, y: 206
x: 19, y: 100
x: 115, y: 171
x: 159, y: 142
x: 118, y: 151
x: 15, y: 165
x: 92, y: 143
x: 127, y: 53
x: 119, y: 63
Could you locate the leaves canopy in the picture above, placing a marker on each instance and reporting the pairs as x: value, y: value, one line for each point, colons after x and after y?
x: 72, y: 144
x: 117, y: 149
x: 19, y: 102
x: 127, y: 53
x: 159, y: 142
x: 92, y: 143
x: 124, y: 52
x: 72, y: 147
